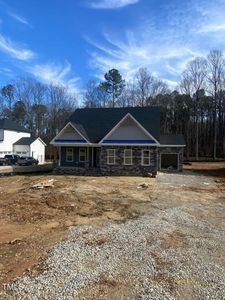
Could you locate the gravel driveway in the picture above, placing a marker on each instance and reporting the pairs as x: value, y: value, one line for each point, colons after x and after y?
x: 174, y: 250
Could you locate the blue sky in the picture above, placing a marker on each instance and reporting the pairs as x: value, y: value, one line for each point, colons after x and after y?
x: 72, y: 41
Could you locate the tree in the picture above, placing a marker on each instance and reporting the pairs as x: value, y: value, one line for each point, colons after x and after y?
x: 216, y: 65
x: 8, y: 95
x: 19, y: 112
x: 60, y: 105
x: 94, y: 96
x: 194, y: 82
x: 113, y: 84
x: 148, y: 87
x: 39, y: 118
x: 129, y: 95
x: 143, y: 81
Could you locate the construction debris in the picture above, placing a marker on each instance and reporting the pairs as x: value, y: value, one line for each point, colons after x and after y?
x: 143, y: 185
x: 44, y: 184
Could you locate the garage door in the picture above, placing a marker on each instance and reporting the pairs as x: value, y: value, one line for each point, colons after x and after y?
x: 169, y: 161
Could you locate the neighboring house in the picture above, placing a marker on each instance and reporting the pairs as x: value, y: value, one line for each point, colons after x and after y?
x: 16, y: 139
x: 30, y: 146
x: 117, y: 141
x: 10, y: 132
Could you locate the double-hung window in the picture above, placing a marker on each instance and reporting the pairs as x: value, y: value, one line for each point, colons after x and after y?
x: 128, y: 159
x: 111, y: 156
x: 69, y: 154
x: 82, y: 154
x: 145, y: 158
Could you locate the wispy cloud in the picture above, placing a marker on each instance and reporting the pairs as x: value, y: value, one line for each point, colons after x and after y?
x: 6, y: 72
x: 133, y: 51
x: 15, y: 50
x: 212, y: 28
x: 56, y: 74
x: 111, y: 4
x: 19, y: 18
x: 164, y: 47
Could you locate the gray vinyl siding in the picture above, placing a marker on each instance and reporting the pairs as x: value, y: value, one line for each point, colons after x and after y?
x: 75, y: 162
x: 128, y: 132
x: 65, y: 163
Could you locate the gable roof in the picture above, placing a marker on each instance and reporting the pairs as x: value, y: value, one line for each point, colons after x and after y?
x: 77, y: 127
x: 127, y: 117
x: 95, y: 123
x: 28, y: 141
x: 25, y: 141
x: 172, y: 140
x: 8, y: 124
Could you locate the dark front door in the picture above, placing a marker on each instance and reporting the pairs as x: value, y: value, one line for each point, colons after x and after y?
x: 96, y: 157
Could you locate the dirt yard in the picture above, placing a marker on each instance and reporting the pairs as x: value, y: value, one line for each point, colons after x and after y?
x: 34, y: 218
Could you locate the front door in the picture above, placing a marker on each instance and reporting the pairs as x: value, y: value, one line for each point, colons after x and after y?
x: 96, y: 157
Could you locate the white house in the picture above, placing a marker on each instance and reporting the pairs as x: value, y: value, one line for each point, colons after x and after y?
x: 12, y: 133
x: 30, y: 146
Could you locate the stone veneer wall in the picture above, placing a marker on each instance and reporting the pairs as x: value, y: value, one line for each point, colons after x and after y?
x: 132, y: 170
x: 171, y: 150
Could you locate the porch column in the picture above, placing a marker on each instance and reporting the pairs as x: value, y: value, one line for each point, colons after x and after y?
x: 59, y: 161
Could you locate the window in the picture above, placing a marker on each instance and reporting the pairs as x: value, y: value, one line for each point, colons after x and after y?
x: 111, y: 156
x: 69, y: 154
x: 145, y: 158
x: 82, y: 154
x: 128, y: 157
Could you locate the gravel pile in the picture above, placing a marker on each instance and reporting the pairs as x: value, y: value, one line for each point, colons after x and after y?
x: 138, y: 254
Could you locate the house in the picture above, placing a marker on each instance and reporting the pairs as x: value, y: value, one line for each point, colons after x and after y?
x: 16, y: 139
x: 117, y: 141
x: 10, y: 132
x: 30, y: 146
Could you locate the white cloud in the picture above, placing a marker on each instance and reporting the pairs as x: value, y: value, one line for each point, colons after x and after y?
x: 159, y: 55
x: 111, y: 4
x: 55, y: 74
x: 164, y: 44
x: 19, y: 18
x: 6, y: 72
x: 15, y: 50
x: 212, y: 28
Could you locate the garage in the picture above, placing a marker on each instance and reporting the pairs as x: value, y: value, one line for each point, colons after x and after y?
x: 169, y: 161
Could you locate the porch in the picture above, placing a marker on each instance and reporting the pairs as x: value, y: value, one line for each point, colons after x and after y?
x: 79, y: 157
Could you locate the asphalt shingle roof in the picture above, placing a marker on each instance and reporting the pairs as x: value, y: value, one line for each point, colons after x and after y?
x: 95, y: 123
x: 8, y: 124
x: 25, y: 141
x: 172, y: 139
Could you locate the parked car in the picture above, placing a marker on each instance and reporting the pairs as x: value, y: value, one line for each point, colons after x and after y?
x: 2, y: 161
x: 11, y: 159
x: 27, y: 161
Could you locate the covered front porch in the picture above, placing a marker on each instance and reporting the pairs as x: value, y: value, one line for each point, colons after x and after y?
x: 85, y: 157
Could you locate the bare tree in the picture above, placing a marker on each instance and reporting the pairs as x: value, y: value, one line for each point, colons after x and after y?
x: 215, y: 63
x: 194, y: 81
x: 144, y: 81
x: 129, y: 96
x: 60, y: 105
x: 93, y: 95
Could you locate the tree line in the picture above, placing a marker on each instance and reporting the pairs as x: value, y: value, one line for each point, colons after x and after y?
x: 39, y: 107
x: 195, y: 108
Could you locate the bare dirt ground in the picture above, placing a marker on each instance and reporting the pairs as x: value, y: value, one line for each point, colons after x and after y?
x: 34, y: 220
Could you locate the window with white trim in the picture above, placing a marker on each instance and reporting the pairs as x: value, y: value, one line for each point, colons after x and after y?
x: 69, y: 154
x: 82, y: 154
x: 145, y: 158
x: 111, y: 156
x: 128, y: 159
